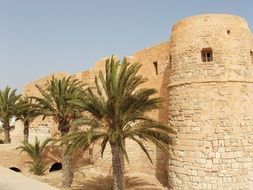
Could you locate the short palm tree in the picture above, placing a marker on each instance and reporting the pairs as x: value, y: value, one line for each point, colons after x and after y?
x: 26, y: 112
x: 56, y: 103
x: 118, y: 111
x: 35, y: 151
x: 8, y: 101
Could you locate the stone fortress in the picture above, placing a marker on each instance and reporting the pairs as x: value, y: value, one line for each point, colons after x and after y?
x: 205, y: 74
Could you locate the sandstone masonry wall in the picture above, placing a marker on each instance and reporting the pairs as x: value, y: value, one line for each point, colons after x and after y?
x: 138, y: 160
x: 46, y: 127
x: 210, y: 104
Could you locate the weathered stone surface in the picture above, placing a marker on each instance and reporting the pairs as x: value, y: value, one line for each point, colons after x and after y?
x: 210, y: 104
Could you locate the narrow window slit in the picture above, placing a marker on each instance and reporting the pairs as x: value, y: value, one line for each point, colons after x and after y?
x: 251, y: 56
x: 156, y: 67
x: 170, y: 63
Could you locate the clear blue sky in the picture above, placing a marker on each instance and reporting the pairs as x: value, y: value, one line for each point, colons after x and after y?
x: 39, y: 37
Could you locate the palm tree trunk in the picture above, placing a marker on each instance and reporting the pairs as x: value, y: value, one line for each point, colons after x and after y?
x: 67, y: 173
x: 7, y: 138
x: 91, y: 155
x: 118, y: 167
x: 26, y: 132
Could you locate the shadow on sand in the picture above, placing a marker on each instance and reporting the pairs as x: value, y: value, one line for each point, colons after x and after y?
x: 105, y: 183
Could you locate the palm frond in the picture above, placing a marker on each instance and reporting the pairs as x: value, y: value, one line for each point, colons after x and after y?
x: 81, y: 140
x: 117, y: 109
x: 8, y: 104
x: 59, y: 100
x: 34, y: 150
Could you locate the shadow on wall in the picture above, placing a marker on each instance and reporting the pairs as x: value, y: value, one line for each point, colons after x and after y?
x: 161, y: 157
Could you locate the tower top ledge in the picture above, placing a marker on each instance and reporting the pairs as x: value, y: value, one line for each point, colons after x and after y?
x: 211, y: 19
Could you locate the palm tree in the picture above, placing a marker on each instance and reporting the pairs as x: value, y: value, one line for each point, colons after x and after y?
x: 118, y: 111
x: 56, y: 103
x: 35, y: 151
x: 26, y: 112
x: 8, y: 102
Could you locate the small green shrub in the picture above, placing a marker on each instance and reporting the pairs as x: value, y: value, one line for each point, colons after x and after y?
x: 35, y: 151
x: 1, y: 141
x: 38, y: 168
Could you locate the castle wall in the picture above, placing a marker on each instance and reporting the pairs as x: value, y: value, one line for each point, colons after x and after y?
x: 30, y: 89
x: 138, y: 160
x: 11, y: 157
x: 156, y: 54
x: 210, y: 104
x: 40, y: 127
x: 159, y: 54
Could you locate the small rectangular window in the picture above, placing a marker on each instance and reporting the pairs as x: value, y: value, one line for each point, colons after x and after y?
x: 170, y: 63
x: 156, y: 67
x: 207, y: 55
x: 251, y: 56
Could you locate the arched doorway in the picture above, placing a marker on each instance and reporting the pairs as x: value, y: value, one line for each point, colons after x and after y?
x: 55, y: 167
x: 15, y: 169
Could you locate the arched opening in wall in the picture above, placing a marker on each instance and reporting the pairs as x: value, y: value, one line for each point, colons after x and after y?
x: 15, y: 169
x: 228, y: 31
x: 55, y: 167
x: 207, y: 55
x: 156, y: 67
x: 251, y: 56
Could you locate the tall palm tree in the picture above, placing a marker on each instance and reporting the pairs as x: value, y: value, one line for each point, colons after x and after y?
x: 118, y: 111
x: 35, y: 151
x: 8, y: 101
x: 26, y: 112
x: 56, y: 103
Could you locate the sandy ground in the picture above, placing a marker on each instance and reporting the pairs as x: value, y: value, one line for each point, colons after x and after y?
x: 89, y: 178
x: 10, y: 180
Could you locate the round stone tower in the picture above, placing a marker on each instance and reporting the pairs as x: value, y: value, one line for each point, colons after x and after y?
x: 210, y: 98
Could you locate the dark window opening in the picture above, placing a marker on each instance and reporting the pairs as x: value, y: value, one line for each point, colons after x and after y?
x: 251, y: 56
x: 15, y: 169
x: 55, y: 167
x: 156, y: 67
x: 207, y: 55
x: 228, y: 31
